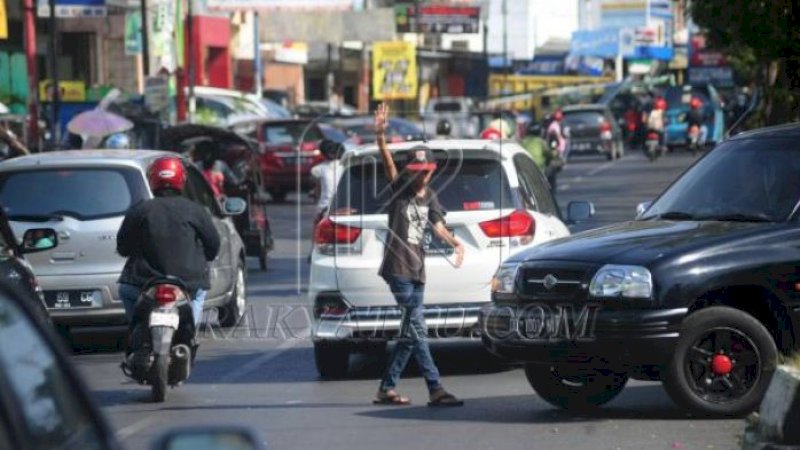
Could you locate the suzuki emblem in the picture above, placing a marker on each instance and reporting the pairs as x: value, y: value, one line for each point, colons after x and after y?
x: 550, y: 281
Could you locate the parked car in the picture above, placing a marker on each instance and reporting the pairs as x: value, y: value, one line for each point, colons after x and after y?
x: 592, y: 130
x: 15, y: 270
x: 361, y: 130
x: 700, y: 291
x: 84, y: 195
x: 241, y: 155
x: 289, y: 149
x: 498, y: 203
x: 316, y: 109
x: 223, y: 107
x: 53, y: 406
x: 457, y: 110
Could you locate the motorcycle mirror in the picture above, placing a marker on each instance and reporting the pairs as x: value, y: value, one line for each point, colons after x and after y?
x: 218, y: 438
x: 234, y: 206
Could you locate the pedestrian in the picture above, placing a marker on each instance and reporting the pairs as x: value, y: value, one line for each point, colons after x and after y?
x: 326, y: 175
x: 414, y: 207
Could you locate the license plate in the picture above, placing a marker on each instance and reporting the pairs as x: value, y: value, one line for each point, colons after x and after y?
x: 583, y: 146
x: 433, y: 245
x: 164, y: 319
x: 73, y: 299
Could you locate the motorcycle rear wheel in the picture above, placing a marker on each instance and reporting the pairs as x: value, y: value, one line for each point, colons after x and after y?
x: 158, y: 378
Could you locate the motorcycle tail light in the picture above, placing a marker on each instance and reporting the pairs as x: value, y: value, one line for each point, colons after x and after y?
x: 166, y: 294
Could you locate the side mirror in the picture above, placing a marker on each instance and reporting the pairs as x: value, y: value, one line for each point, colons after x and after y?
x: 217, y: 438
x: 234, y: 206
x: 580, y: 211
x: 641, y: 208
x: 39, y: 240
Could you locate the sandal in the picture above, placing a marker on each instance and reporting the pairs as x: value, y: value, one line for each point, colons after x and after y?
x: 442, y: 398
x: 391, y: 397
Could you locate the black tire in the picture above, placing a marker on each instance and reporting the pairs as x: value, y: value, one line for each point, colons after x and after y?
x: 159, y: 373
x: 236, y: 306
x: 587, y: 390
x: 747, y: 333
x: 332, y: 359
x: 278, y: 196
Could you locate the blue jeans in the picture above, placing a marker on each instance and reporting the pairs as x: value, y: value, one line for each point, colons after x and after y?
x: 130, y: 294
x: 413, y: 337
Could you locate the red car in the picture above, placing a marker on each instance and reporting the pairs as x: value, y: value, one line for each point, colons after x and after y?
x: 288, y: 149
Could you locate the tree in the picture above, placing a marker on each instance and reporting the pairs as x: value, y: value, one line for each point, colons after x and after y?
x: 763, y: 36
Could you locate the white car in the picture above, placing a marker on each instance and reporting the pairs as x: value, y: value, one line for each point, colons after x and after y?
x: 498, y: 203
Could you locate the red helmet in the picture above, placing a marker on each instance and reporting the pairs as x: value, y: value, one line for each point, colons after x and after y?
x: 167, y: 173
x: 695, y: 103
x: 558, y: 115
x: 660, y: 103
x: 491, y: 134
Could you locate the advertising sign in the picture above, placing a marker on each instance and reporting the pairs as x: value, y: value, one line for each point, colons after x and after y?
x: 133, y: 33
x: 701, y: 56
x: 69, y: 91
x: 394, y: 71
x: 602, y: 43
x: 3, y: 20
x: 717, y: 76
x: 251, y: 5
x: 73, y: 8
x: 156, y: 93
x: 438, y: 18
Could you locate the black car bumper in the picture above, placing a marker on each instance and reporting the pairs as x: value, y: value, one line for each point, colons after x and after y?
x: 597, y: 336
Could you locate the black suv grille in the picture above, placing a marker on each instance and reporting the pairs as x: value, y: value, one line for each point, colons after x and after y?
x: 555, y: 281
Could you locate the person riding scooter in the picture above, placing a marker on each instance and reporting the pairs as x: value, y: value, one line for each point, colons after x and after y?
x: 696, y: 125
x: 168, y: 235
x: 654, y: 141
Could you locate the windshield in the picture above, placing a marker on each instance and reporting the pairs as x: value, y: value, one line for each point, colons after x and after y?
x: 290, y: 133
x: 469, y: 185
x: 749, y: 179
x: 85, y: 194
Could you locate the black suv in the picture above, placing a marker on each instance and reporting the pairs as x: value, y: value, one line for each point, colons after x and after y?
x: 701, y: 291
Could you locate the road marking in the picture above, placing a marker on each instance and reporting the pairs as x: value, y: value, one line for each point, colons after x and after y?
x: 134, y: 428
x: 599, y: 168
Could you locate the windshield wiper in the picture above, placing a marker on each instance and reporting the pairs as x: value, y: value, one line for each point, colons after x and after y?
x: 36, y: 217
x: 740, y: 217
x: 672, y: 215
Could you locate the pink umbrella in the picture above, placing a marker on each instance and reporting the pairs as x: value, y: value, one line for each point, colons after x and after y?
x: 98, y: 123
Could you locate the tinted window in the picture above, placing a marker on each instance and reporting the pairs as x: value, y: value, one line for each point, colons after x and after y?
x: 753, y: 177
x: 583, y: 117
x: 534, y: 186
x: 86, y: 194
x: 290, y: 133
x: 56, y: 418
x: 471, y: 185
x: 447, y: 107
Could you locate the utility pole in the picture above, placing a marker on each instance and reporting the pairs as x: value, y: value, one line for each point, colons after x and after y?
x: 55, y: 104
x: 190, y: 60
x: 505, y: 37
x: 145, y: 40
x: 258, y: 82
x: 33, y: 76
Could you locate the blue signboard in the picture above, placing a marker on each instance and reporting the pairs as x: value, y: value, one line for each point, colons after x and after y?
x: 602, y: 43
x: 544, y: 65
x: 73, y: 8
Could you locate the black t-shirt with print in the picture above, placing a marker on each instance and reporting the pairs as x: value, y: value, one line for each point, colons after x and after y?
x: 409, y: 217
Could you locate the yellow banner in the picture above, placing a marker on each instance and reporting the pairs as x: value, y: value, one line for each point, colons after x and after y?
x: 3, y: 20
x: 71, y: 91
x: 394, y: 71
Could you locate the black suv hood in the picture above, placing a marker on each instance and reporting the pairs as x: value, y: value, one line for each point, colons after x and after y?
x: 643, y: 242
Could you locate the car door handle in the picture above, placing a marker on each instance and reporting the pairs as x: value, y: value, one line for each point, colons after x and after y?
x: 64, y: 256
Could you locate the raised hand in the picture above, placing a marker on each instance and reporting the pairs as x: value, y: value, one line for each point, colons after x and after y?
x: 381, y: 118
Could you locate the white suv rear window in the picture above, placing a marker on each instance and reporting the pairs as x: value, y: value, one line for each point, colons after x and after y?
x: 474, y: 184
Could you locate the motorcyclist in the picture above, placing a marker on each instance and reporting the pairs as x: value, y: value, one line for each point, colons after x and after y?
x: 655, y: 119
x: 443, y: 129
x: 117, y: 141
x: 696, y: 118
x: 215, y: 171
x: 555, y: 135
x: 168, y: 235
x: 546, y: 158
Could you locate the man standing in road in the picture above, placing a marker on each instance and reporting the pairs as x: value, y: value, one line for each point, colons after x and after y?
x: 414, y: 207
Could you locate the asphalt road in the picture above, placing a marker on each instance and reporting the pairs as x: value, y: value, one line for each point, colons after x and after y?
x: 263, y: 375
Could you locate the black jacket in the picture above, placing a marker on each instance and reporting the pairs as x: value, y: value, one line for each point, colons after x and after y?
x: 168, y: 236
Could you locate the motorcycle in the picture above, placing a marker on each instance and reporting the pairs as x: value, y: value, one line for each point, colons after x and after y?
x: 694, y: 139
x: 652, y: 145
x: 162, y: 340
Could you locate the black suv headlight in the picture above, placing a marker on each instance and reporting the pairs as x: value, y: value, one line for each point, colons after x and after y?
x: 622, y: 281
x: 505, y: 278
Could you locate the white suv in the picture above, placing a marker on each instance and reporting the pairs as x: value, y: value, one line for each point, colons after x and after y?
x: 498, y: 203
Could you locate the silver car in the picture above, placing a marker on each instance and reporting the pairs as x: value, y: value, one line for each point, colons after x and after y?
x: 84, y: 196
